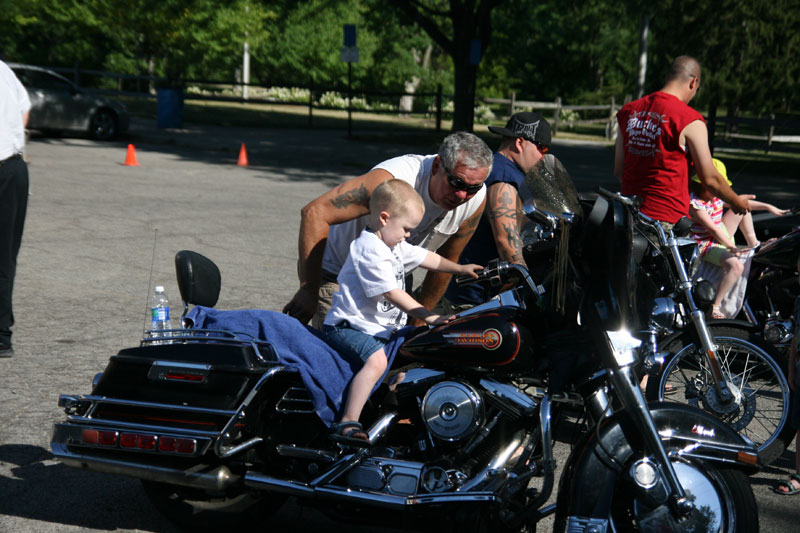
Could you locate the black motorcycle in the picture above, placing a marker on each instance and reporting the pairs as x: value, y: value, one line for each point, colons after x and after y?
x: 772, y: 286
x: 221, y: 426
x: 721, y: 366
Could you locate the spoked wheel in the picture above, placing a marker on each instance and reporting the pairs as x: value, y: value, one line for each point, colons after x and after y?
x: 722, y: 501
x: 760, y: 406
x: 192, y: 508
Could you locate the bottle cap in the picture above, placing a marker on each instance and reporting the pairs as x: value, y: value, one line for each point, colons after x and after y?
x: 159, y: 288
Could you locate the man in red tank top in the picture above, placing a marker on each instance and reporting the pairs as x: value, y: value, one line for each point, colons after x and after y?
x: 655, y: 134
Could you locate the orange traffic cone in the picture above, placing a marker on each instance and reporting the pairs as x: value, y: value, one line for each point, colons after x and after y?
x: 242, y: 157
x: 130, y: 159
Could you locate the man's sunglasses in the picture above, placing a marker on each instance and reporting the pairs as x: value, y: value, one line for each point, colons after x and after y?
x: 459, y: 184
x: 543, y: 148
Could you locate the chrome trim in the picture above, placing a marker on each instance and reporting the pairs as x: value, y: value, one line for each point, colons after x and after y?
x: 510, y: 393
x: 218, y: 478
x: 98, y: 400
x: 496, y: 465
x: 222, y: 447
x: 333, y: 492
x: 378, y: 429
x: 290, y: 450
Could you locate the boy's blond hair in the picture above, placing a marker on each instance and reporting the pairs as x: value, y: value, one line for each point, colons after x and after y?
x: 395, y: 197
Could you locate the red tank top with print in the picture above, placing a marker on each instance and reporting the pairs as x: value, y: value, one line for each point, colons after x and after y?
x: 656, y: 167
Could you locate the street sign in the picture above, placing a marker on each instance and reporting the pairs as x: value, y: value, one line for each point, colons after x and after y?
x: 350, y: 35
x: 349, y: 54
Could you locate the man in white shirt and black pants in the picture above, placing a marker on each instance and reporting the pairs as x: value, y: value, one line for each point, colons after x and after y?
x: 14, y: 108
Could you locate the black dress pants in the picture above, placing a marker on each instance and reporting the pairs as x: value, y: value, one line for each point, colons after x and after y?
x: 13, y: 206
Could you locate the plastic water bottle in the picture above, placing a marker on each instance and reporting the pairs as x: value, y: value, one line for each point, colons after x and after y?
x: 159, y: 308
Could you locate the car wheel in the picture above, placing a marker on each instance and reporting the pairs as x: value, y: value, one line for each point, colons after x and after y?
x: 103, y: 125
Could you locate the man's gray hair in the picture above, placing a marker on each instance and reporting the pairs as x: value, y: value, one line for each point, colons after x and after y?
x: 467, y: 149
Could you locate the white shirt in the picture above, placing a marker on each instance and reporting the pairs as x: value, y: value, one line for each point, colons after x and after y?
x: 372, y: 269
x: 437, y: 224
x: 14, y: 103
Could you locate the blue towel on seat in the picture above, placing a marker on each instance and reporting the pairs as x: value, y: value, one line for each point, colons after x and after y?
x: 299, y: 347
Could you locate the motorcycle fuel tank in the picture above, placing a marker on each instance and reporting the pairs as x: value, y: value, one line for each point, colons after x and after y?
x: 493, y: 338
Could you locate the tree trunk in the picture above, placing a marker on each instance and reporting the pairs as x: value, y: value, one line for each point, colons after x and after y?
x: 464, y: 97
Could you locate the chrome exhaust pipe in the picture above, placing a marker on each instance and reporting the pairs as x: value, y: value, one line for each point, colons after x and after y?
x: 198, y: 476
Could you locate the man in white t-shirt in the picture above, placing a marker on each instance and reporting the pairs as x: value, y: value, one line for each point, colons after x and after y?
x: 451, y: 186
x: 14, y: 108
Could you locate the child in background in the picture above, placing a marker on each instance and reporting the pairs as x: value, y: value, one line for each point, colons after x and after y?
x: 372, y: 302
x: 714, y: 232
x: 793, y: 485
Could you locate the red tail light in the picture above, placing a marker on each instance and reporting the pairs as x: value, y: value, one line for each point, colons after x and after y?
x: 138, y: 441
x: 103, y: 438
x: 147, y: 442
x: 166, y: 444
x: 185, y: 377
x: 186, y: 445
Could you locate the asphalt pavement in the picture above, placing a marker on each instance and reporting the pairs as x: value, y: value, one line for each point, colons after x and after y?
x: 99, y: 235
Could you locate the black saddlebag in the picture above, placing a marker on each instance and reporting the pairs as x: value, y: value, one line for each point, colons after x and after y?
x: 198, y: 374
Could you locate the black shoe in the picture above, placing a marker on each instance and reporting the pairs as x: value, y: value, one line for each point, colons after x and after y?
x: 6, y: 350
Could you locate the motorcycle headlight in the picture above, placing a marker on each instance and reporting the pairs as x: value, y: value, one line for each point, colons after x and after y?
x: 662, y: 314
x: 703, y: 293
x: 689, y: 252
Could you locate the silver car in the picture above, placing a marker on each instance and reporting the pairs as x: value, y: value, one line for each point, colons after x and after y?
x: 57, y: 104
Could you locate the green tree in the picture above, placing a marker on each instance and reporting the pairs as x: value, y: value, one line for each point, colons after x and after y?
x: 454, y: 25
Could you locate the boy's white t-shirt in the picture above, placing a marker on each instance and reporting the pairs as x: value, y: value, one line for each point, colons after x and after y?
x: 372, y: 269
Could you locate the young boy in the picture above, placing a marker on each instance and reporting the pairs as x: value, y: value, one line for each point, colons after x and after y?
x: 371, y: 302
x: 793, y: 485
x: 714, y: 232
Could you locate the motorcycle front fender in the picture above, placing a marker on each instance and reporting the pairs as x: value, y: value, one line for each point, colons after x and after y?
x: 601, y: 459
x: 726, y: 322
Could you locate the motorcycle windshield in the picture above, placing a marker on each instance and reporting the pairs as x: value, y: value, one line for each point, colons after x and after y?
x: 548, y: 187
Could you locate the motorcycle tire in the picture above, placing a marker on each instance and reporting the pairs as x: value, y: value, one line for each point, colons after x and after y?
x: 723, y: 501
x: 755, y: 375
x: 197, y: 509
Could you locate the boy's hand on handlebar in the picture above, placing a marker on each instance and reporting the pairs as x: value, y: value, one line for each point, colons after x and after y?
x: 470, y: 270
x: 777, y: 211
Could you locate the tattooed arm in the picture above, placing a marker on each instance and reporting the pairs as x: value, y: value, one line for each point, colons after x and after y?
x: 503, y: 215
x: 342, y: 203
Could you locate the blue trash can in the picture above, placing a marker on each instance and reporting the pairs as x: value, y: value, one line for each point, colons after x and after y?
x: 170, y: 108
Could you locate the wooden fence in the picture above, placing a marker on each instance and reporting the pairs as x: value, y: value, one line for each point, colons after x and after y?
x: 557, y: 106
x: 759, y: 130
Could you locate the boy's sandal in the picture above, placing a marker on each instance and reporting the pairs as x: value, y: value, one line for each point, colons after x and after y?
x: 790, y: 489
x: 355, y: 437
x: 716, y: 314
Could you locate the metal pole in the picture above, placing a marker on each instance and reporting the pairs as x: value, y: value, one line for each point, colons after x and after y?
x: 246, y: 71
x: 349, y: 95
x: 439, y: 107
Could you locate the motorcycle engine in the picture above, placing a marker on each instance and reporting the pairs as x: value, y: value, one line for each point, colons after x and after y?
x: 452, y: 410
